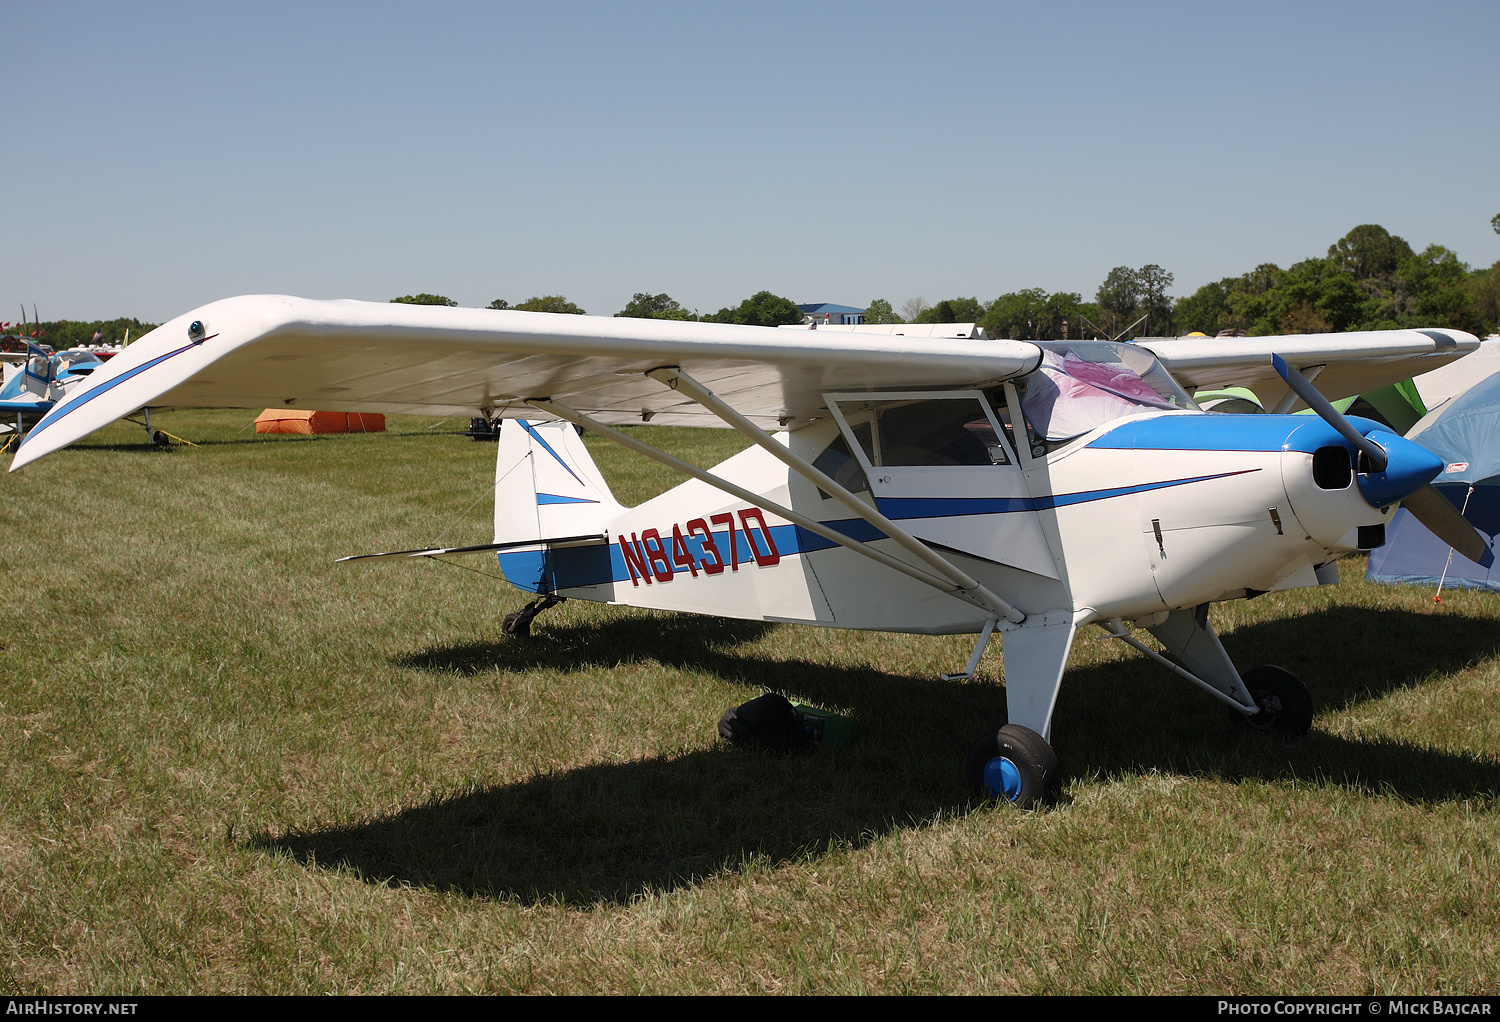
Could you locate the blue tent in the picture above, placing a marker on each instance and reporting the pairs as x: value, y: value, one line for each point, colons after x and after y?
x: 1466, y: 435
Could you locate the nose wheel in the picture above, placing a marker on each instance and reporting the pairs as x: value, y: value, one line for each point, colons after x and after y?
x: 1014, y: 764
x: 1286, y: 708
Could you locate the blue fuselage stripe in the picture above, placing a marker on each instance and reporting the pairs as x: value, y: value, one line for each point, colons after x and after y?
x: 1266, y: 433
x: 544, y: 570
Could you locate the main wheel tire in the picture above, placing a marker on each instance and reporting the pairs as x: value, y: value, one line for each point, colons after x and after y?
x: 517, y: 624
x: 1016, y: 764
x: 1286, y: 707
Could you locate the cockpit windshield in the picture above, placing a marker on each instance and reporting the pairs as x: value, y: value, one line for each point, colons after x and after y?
x: 1085, y: 385
x: 78, y: 362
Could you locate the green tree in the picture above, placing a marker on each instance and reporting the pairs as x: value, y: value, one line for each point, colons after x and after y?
x: 649, y: 306
x: 1034, y: 315
x: 1434, y: 287
x: 549, y: 303
x: 1253, y: 300
x: 1314, y: 297
x: 498, y: 303
x: 1127, y: 294
x: 1369, y: 251
x: 1495, y: 222
x: 1119, y: 297
x: 1484, y: 294
x: 1206, y: 310
x: 423, y: 299
x: 1152, y: 282
x: 880, y: 311
x: 64, y: 333
x: 761, y: 309
x: 953, y: 310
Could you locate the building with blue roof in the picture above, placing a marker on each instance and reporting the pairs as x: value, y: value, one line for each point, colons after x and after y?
x: 827, y: 312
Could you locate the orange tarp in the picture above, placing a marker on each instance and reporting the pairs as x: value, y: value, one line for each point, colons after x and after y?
x: 282, y: 420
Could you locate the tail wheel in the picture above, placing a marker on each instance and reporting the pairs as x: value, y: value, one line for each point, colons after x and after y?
x: 1016, y: 764
x: 1286, y: 708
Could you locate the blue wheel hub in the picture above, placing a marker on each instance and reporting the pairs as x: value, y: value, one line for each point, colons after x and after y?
x: 1002, y: 777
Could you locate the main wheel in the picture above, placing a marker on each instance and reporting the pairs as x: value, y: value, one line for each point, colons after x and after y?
x: 517, y: 624
x: 1286, y: 708
x: 1016, y: 764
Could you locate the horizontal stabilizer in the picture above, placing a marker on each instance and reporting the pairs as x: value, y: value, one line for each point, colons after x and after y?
x: 440, y: 551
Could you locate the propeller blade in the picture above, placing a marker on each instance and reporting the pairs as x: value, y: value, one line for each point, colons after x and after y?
x: 1432, y: 509
x: 1320, y: 404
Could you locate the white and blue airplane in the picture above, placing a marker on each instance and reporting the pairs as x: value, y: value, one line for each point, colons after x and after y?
x: 931, y: 486
x: 38, y: 379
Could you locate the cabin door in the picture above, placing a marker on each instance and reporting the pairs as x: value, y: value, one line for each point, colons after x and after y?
x: 940, y: 465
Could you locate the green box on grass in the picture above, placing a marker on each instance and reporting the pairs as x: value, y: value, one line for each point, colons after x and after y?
x: 827, y: 728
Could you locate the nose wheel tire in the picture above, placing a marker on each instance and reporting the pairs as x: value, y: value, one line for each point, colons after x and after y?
x: 1286, y: 708
x: 1014, y: 764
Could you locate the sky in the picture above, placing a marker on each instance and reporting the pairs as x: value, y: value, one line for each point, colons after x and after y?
x: 161, y: 156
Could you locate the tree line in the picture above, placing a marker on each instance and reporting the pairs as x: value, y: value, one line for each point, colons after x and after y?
x: 1369, y: 279
x: 62, y: 333
x: 760, y: 309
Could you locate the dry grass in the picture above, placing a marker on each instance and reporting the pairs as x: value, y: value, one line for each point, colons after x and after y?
x: 232, y: 766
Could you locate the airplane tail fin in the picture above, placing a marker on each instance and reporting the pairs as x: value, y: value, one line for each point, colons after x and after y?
x: 546, y: 485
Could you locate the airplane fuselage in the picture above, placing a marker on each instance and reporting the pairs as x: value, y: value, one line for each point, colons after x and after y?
x: 1152, y: 513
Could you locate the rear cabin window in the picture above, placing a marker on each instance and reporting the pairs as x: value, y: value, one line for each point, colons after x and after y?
x: 839, y: 465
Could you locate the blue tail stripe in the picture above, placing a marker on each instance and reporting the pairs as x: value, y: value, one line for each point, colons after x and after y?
x: 548, y: 448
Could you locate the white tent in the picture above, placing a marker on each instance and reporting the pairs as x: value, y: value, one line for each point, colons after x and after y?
x: 1443, y: 385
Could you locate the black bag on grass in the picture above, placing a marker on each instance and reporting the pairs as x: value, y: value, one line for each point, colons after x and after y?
x: 767, y: 721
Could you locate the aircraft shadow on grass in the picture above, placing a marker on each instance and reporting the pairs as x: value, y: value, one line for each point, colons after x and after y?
x: 611, y: 831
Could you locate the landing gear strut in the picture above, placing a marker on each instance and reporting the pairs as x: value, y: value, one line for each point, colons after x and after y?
x: 1016, y: 764
x: 519, y: 622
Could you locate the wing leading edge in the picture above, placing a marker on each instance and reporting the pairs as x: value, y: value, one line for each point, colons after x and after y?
x: 266, y: 351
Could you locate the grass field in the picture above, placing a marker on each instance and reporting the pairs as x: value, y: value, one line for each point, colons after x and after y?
x: 230, y: 765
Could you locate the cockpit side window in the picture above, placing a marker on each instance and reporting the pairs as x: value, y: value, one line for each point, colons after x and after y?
x: 925, y: 432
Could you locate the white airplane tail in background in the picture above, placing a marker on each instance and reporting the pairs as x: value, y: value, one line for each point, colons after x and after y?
x: 547, y: 486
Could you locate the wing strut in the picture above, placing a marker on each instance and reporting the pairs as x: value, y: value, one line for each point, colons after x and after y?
x: 974, y: 595
x: 686, y: 385
x: 1284, y: 406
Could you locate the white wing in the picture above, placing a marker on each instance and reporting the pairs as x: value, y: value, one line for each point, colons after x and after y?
x: 268, y: 351
x: 1354, y: 362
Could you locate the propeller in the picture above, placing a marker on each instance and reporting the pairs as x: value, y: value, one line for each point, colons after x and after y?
x: 1425, y: 502
x: 1329, y: 414
x: 1432, y: 509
